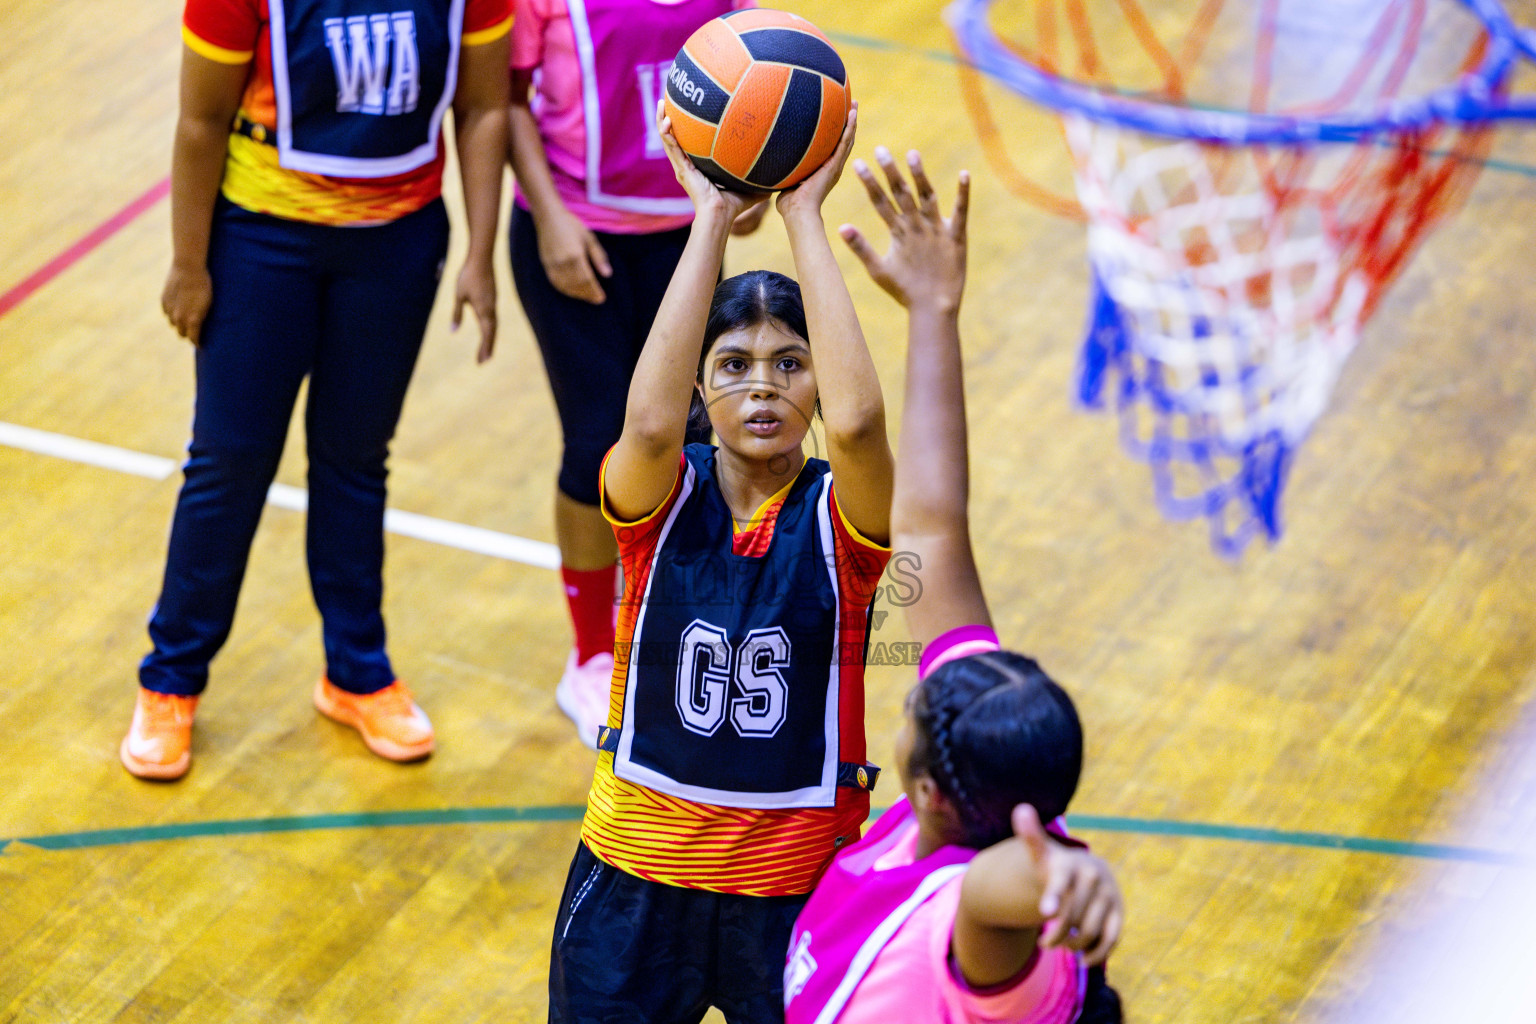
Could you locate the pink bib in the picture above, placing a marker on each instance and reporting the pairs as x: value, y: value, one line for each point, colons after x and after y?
x: 853, y: 913
x: 877, y: 916
x: 625, y: 57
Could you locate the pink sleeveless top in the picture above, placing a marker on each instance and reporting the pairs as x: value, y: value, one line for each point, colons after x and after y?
x: 601, y: 67
x: 872, y: 944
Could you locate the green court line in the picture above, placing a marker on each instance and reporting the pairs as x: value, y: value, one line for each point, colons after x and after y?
x: 518, y: 815
x: 306, y: 823
x: 1313, y: 840
x: 942, y: 57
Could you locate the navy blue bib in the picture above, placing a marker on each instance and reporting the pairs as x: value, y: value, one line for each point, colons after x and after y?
x: 362, y: 85
x: 732, y: 688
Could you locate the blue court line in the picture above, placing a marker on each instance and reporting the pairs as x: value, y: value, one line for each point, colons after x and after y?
x: 942, y: 57
x: 572, y: 812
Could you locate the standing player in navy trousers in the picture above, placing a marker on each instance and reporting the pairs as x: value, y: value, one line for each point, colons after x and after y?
x: 309, y: 236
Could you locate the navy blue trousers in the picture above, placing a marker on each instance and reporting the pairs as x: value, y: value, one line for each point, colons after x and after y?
x: 346, y: 307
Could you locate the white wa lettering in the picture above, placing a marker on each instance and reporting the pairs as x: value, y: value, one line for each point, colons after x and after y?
x: 405, y: 83
x: 651, y: 78
x: 365, y: 51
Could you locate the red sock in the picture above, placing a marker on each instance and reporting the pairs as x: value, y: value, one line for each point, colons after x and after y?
x: 590, y: 594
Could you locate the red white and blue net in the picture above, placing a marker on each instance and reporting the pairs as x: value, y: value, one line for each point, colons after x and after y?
x: 1236, y: 254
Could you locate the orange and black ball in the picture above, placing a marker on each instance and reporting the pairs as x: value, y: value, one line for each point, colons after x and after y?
x: 758, y: 99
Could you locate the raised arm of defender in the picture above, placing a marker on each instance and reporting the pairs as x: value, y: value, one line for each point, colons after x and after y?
x: 924, y: 270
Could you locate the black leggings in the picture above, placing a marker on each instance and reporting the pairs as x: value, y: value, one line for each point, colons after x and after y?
x: 590, y: 351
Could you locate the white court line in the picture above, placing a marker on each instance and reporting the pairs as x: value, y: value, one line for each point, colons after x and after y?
x: 296, y: 499
x: 88, y: 452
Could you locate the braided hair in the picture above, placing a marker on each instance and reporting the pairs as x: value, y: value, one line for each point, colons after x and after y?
x: 994, y: 731
x: 746, y: 300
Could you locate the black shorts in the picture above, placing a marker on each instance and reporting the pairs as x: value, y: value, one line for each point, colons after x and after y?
x: 639, y: 952
x: 590, y: 351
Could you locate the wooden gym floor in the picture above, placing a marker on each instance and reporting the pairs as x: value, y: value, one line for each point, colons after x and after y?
x: 1296, y: 762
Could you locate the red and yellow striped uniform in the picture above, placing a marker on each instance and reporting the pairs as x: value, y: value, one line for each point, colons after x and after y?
x: 240, y: 32
x: 729, y: 849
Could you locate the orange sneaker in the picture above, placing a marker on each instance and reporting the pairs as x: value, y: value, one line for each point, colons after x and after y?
x: 390, y: 722
x: 159, y: 742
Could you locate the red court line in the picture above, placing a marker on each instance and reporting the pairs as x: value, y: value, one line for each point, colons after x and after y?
x: 103, y: 231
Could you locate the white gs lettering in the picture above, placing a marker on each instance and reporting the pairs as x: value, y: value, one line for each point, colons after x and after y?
x: 708, y: 666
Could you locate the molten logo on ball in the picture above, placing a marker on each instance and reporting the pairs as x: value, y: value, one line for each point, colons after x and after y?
x: 678, y: 80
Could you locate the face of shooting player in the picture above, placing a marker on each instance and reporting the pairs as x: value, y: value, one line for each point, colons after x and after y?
x: 760, y: 390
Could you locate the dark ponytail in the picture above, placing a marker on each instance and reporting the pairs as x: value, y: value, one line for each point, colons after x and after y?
x: 994, y: 731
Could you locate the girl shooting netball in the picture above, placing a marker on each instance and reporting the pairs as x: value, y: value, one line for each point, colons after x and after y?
x: 958, y: 905
x: 733, y: 763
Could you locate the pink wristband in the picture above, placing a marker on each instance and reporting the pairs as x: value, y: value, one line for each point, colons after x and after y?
x: 960, y: 642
